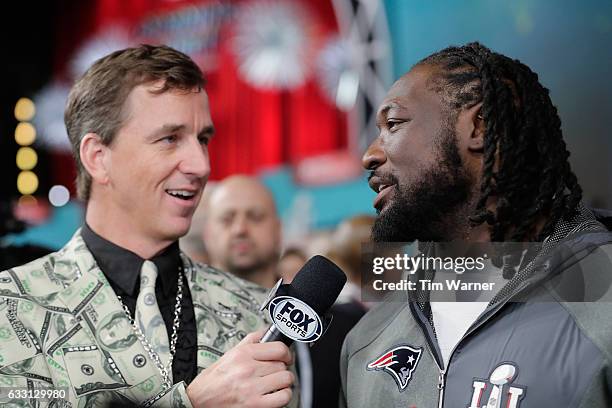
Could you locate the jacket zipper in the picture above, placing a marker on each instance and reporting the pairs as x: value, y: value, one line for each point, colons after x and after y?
x: 430, y: 348
x: 441, y: 376
x: 441, y: 384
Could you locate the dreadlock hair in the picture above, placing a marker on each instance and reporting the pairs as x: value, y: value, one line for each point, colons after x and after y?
x: 525, y: 158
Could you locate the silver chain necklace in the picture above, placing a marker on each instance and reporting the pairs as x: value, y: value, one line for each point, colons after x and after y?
x: 167, y: 369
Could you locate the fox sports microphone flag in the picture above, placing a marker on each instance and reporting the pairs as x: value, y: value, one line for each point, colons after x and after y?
x: 295, y: 312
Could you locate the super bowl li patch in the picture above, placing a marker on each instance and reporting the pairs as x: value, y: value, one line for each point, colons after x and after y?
x: 400, y: 362
x: 499, y: 390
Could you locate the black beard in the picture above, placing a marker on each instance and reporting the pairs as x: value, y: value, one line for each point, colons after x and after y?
x: 423, y: 211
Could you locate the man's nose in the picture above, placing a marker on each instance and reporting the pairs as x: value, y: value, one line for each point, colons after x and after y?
x: 374, y: 156
x: 239, y: 226
x: 195, y: 160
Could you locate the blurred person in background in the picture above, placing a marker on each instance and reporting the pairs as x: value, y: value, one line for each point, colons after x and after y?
x: 470, y: 149
x: 242, y: 231
x: 346, y: 251
x: 290, y: 263
x: 119, y: 316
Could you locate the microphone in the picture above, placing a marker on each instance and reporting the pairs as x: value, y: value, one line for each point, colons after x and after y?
x: 295, y: 308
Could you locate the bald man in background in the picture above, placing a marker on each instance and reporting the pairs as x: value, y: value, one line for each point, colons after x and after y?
x: 242, y: 231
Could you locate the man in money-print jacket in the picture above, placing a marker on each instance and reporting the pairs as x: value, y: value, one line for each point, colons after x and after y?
x: 59, y: 316
x: 139, y: 124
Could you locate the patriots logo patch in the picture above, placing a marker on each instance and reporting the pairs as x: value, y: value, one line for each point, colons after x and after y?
x: 400, y: 362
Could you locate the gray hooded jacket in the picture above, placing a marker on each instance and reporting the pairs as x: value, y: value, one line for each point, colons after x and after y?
x: 533, y: 347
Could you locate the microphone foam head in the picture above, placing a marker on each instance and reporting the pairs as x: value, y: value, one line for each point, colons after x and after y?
x: 318, y: 283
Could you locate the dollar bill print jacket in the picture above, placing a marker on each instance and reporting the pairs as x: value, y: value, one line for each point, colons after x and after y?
x: 62, y: 327
x: 536, y: 345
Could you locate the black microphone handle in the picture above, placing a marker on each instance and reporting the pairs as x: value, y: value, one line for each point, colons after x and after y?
x: 273, y: 334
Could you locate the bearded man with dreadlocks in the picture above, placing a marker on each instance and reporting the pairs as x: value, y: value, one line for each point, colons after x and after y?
x: 470, y: 148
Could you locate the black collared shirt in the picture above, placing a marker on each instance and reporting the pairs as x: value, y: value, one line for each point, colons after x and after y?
x: 122, y: 269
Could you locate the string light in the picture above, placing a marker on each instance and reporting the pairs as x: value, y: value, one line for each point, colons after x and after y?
x: 26, y: 200
x: 26, y: 158
x: 24, y: 109
x: 25, y: 134
x: 27, y: 182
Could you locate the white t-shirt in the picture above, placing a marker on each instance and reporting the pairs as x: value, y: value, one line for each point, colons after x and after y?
x: 452, y: 319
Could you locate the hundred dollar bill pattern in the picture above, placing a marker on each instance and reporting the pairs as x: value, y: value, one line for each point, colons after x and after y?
x: 62, y: 326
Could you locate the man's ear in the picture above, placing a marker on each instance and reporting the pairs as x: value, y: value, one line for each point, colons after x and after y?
x: 93, y: 156
x: 475, y: 142
x: 470, y: 128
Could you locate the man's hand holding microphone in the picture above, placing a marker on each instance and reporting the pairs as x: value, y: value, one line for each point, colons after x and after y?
x: 255, y: 373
